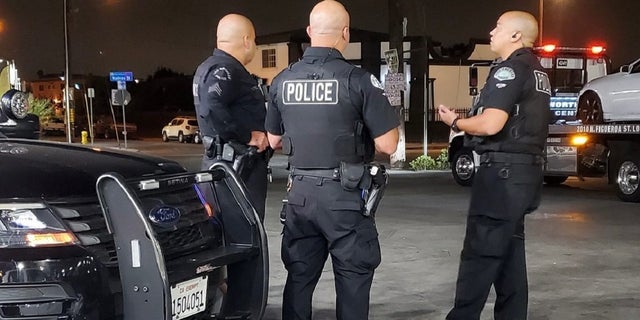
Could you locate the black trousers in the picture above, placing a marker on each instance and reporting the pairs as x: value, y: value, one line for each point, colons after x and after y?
x: 321, y: 219
x: 493, y: 252
x: 255, y: 179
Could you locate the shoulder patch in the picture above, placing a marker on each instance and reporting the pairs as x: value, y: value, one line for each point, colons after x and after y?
x: 376, y: 83
x: 505, y: 73
x: 542, y: 82
x: 222, y: 73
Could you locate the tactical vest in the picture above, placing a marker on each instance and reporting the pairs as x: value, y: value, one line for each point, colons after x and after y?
x: 527, y: 126
x: 200, y: 92
x: 319, y: 116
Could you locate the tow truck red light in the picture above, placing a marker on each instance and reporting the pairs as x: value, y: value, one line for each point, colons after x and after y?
x: 597, y: 49
x: 549, y: 47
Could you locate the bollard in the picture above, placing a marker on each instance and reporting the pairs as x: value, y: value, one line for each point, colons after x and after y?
x: 85, y: 137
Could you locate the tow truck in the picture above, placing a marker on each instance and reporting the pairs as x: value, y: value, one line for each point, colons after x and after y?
x: 573, y: 148
x: 14, y: 102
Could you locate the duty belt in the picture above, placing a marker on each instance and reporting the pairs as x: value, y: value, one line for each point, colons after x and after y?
x: 333, y: 174
x: 507, y: 157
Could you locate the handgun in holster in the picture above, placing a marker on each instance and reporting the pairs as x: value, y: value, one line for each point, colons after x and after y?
x: 380, y: 179
x: 370, y: 179
x: 212, y: 146
x: 240, y: 156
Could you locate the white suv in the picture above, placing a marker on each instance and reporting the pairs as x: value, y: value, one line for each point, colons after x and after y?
x: 182, y: 129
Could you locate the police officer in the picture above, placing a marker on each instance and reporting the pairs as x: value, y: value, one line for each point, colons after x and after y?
x: 229, y: 103
x: 323, y: 112
x: 508, y: 129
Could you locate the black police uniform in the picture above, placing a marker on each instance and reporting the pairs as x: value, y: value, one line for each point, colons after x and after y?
x: 506, y: 187
x: 230, y: 104
x: 316, y: 105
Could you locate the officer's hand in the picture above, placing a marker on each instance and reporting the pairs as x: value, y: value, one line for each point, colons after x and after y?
x: 259, y: 140
x: 446, y: 115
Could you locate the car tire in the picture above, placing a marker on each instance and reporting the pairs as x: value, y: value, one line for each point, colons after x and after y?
x: 181, y: 137
x: 555, y: 180
x: 164, y: 136
x: 463, y: 167
x: 590, y: 109
x: 196, y: 139
x: 627, y: 181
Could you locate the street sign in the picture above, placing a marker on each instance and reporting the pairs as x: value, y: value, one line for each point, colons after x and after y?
x: 91, y: 92
x: 120, y: 97
x: 394, y: 84
x: 121, y: 76
x: 122, y: 85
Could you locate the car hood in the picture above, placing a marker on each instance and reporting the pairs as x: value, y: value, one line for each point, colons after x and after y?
x: 49, y: 170
x: 605, y: 80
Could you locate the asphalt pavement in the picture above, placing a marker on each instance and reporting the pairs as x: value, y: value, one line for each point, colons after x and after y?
x: 583, y: 247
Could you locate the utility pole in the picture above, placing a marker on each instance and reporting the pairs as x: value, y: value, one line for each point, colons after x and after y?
x: 67, y: 76
x: 397, y: 29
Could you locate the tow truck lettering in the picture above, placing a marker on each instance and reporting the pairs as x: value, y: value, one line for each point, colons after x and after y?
x: 310, y: 92
x: 620, y: 128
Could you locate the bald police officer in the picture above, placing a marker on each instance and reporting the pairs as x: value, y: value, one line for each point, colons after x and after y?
x: 230, y: 104
x: 509, y: 130
x: 324, y: 113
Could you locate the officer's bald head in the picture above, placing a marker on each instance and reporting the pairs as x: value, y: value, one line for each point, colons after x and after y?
x: 525, y: 24
x: 329, y: 25
x: 236, y: 36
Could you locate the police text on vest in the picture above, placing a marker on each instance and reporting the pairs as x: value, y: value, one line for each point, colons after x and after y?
x: 310, y: 92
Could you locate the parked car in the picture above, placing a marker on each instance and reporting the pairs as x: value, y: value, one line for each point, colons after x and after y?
x: 182, y: 129
x: 104, y: 128
x: 64, y: 253
x: 54, y: 125
x: 612, y: 98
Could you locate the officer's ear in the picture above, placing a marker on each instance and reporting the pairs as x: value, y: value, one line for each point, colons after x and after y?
x: 345, y: 33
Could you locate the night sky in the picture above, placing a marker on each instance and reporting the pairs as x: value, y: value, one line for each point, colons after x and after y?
x: 142, y: 35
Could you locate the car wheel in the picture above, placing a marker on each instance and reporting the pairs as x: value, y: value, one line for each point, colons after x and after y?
x: 463, y: 167
x: 555, y: 180
x: 627, y: 181
x: 164, y: 136
x: 196, y: 138
x: 181, y: 137
x: 590, y: 109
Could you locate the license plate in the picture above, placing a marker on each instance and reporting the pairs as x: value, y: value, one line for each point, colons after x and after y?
x: 188, y: 298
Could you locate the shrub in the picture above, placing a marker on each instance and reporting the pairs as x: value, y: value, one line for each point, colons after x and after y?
x: 425, y: 162
x: 41, y: 107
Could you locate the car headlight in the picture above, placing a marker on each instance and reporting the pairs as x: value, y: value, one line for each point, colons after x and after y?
x: 15, y: 104
x: 31, y: 225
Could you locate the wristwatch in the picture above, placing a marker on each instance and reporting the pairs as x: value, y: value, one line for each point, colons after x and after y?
x: 454, y: 125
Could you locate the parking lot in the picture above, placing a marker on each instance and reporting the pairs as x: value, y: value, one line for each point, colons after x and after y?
x: 582, y: 247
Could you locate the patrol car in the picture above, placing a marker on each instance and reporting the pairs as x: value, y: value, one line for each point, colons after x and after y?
x: 90, y: 233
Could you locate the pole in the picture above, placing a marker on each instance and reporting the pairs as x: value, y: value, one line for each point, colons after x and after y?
x: 396, y: 39
x: 541, y: 3
x: 425, y: 141
x: 66, y: 73
x: 91, y: 95
x: 124, y: 120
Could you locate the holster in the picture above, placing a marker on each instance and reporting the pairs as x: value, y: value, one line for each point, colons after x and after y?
x: 212, y: 146
x: 354, y: 176
x: 380, y: 179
